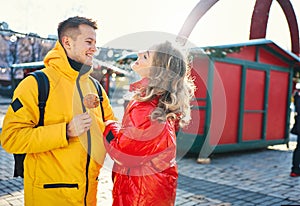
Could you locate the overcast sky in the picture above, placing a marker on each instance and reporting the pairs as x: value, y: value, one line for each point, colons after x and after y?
x: 227, y: 22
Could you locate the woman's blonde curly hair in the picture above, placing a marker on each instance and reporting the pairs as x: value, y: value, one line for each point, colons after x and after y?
x: 171, y: 80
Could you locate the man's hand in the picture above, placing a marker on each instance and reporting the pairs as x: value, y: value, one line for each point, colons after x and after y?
x: 80, y: 124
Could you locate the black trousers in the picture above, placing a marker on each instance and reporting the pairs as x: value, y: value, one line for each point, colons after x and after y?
x: 296, y: 157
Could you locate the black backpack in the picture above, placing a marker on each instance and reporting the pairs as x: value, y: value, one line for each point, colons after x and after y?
x: 43, y: 91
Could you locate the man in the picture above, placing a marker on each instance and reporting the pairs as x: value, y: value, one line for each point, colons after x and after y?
x: 65, y: 155
x: 295, y: 170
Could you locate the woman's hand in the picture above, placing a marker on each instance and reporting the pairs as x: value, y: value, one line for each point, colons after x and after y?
x: 107, y: 122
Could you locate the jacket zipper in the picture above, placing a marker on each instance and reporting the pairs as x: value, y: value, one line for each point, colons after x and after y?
x: 88, y: 158
x: 60, y: 185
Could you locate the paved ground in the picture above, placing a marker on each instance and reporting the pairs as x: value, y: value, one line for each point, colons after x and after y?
x: 250, y: 178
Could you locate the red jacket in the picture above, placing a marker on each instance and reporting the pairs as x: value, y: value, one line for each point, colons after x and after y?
x: 144, y: 151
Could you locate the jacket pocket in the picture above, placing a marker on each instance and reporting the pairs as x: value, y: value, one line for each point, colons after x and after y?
x: 60, y: 185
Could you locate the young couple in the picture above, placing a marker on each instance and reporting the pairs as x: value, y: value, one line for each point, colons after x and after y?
x: 64, y: 157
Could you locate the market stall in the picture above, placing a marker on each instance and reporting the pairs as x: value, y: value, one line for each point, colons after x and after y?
x: 243, y: 97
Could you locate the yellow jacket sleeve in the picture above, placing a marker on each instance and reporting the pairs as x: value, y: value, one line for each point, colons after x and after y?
x: 19, y: 131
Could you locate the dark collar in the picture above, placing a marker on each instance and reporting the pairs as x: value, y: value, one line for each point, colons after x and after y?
x: 79, y: 66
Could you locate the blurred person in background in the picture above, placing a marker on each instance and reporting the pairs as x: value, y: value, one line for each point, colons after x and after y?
x: 295, y: 170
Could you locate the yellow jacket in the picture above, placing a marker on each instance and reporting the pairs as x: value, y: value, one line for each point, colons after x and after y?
x: 57, y: 171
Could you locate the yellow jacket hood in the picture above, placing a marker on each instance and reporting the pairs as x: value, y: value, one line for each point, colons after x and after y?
x: 58, y: 60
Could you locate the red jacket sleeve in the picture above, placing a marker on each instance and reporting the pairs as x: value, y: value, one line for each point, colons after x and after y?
x: 139, y: 139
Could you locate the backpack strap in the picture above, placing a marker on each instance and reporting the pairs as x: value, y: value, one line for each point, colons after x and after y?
x: 99, y: 90
x: 43, y: 90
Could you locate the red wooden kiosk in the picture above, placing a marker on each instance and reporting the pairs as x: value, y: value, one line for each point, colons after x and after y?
x: 243, y: 97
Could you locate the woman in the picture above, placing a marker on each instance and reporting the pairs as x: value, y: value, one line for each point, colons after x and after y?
x: 144, y: 147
